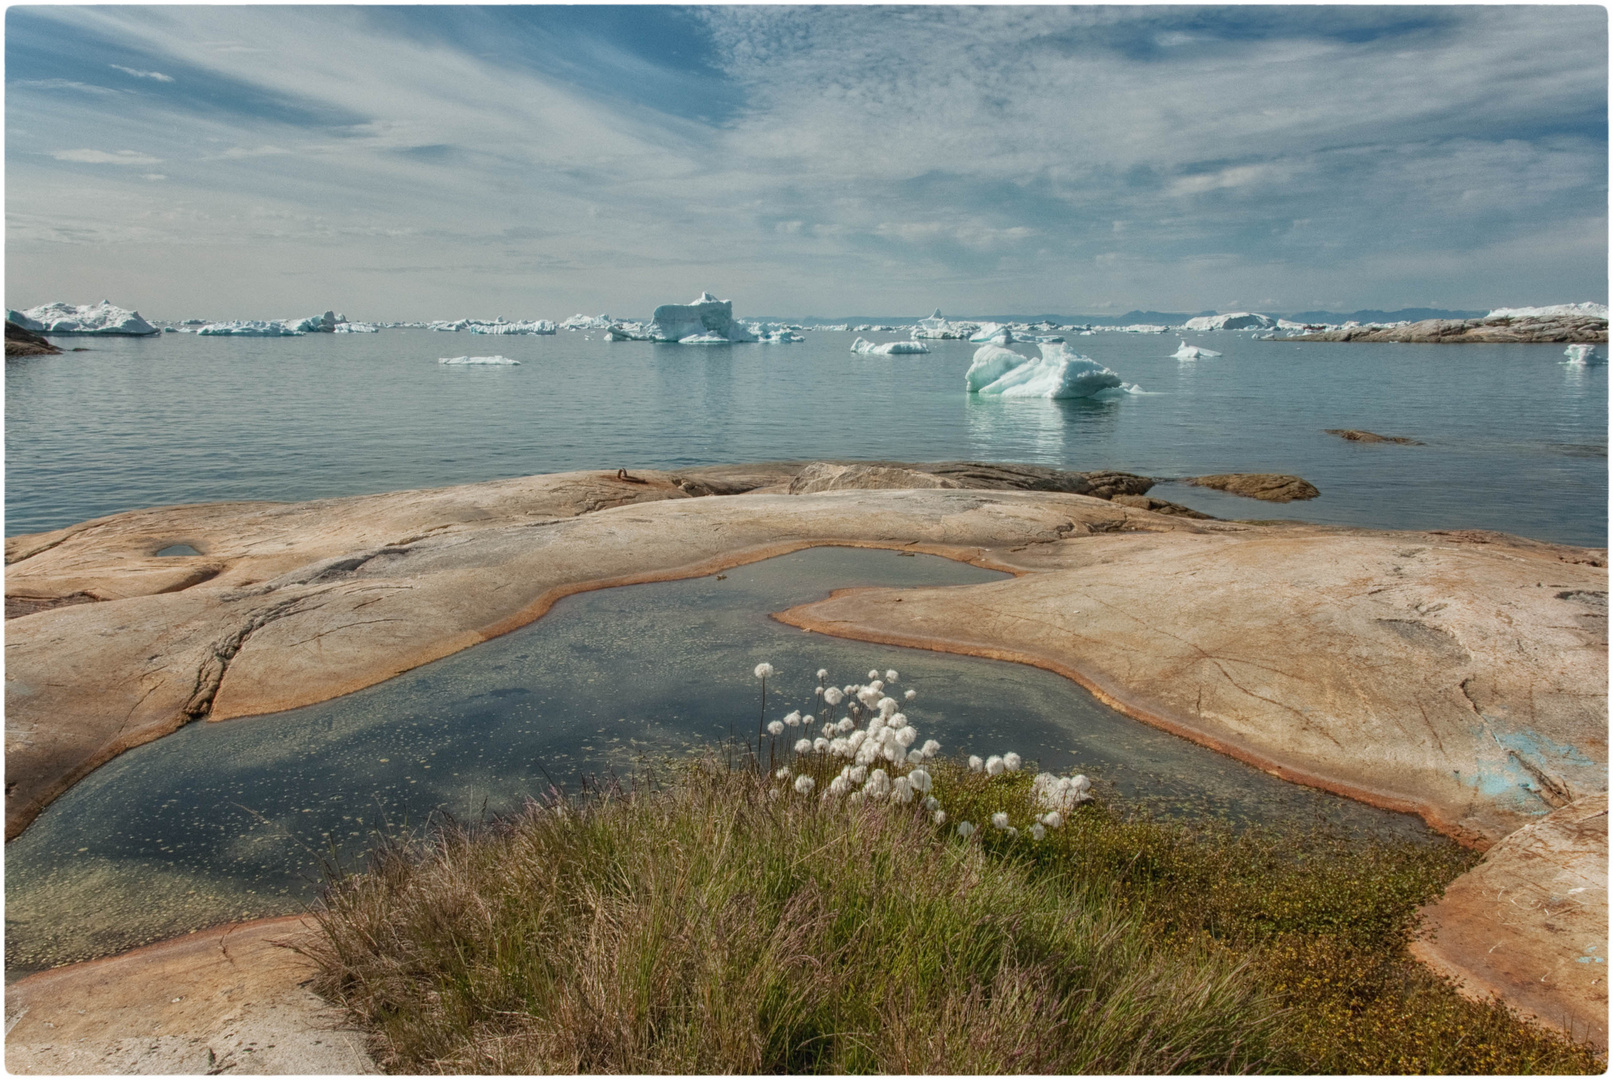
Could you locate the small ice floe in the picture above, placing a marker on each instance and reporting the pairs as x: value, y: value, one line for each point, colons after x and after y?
x: 1193, y: 352
x: 491, y: 361
x: 705, y: 339
x: 890, y: 348
x: 1580, y: 355
x: 1057, y: 373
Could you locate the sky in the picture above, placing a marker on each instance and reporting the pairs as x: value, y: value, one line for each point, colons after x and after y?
x: 441, y: 162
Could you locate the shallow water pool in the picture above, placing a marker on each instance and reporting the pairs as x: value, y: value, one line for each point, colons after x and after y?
x: 231, y: 820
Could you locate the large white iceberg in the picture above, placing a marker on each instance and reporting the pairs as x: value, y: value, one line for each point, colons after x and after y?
x: 1193, y: 352
x: 890, y: 348
x: 1235, y: 320
x: 993, y: 334
x: 706, y: 317
x: 493, y: 361
x: 580, y: 321
x: 1057, y: 373
x: 102, y: 318
x: 1595, y: 311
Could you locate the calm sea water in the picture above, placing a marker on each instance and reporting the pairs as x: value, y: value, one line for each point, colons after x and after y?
x: 221, y: 821
x: 1515, y: 440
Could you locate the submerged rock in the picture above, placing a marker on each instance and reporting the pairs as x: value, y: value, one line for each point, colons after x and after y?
x: 1357, y: 435
x: 1270, y: 487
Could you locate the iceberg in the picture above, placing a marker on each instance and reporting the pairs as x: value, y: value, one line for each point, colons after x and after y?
x: 992, y: 334
x: 937, y: 328
x: 1588, y: 310
x: 1580, y: 355
x: 580, y: 321
x: 781, y: 336
x: 446, y: 327
x: 537, y: 326
x: 1057, y: 373
x: 251, y: 328
x: 1193, y: 352
x: 490, y: 361
x: 357, y: 328
x: 707, y: 315
x: 1236, y: 320
x: 317, y: 324
x: 102, y: 318
x: 704, y: 339
x: 890, y: 348
x: 628, y: 331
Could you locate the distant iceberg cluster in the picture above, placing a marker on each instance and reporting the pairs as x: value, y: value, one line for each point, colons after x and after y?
x: 536, y: 326
x: 1057, y: 373
x: 328, y: 323
x: 102, y: 318
x: 1587, y: 310
x: 478, y: 361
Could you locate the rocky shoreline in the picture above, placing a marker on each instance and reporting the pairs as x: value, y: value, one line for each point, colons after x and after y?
x: 1458, y: 675
x: 1490, y: 330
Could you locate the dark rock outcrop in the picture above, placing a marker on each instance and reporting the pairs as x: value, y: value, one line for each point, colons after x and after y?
x: 20, y: 342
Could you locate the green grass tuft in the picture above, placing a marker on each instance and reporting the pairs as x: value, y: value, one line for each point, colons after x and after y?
x: 712, y: 926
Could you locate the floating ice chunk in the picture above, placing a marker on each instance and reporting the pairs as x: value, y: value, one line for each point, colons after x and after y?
x: 356, y: 328
x: 774, y: 335
x: 1193, y: 352
x: 999, y: 372
x: 992, y: 333
x: 890, y: 348
x: 537, y: 326
x: 580, y: 321
x: 706, y: 316
x: 448, y: 327
x: 1591, y: 310
x: 936, y: 327
x: 1581, y: 355
x: 1235, y: 320
x: 252, y: 328
x: 704, y: 339
x: 494, y: 361
x: 103, y: 318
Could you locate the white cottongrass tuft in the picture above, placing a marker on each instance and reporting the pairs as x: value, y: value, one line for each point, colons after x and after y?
x: 1000, y: 820
x: 910, y: 695
x: 965, y: 829
x: 833, y: 696
x: 820, y: 744
x: 975, y: 764
x: 823, y: 673
x: 845, y: 725
x: 874, y: 674
x: 1061, y: 792
x: 930, y: 748
x: 858, y: 774
x: 828, y: 730
x: 840, y: 785
x: 915, y: 756
x: 803, y: 746
x: 854, y: 798
x: 879, y: 783
x: 1038, y: 831
x: 890, y: 676
x: 932, y: 803
x: 804, y: 784
x: 1052, y: 819
x: 783, y: 772
x: 994, y: 766
x: 939, y: 817
x: 906, y: 736
x: 877, y: 685
x: 920, y: 779
x: 1011, y: 831
x: 887, y: 707
x: 775, y: 727
x: 818, y: 691
x: 1012, y: 761
x: 902, y: 790
x: 793, y: 719
x: 764, y: 670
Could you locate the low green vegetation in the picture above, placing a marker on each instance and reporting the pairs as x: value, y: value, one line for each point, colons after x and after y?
x: 725, y: 922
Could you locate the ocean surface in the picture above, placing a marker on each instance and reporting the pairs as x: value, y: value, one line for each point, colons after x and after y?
x: 233, y: 820
x: 1515, y: 440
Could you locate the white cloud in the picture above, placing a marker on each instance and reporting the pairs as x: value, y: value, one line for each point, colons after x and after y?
x: 157, y: 75
x: 103, y: 157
